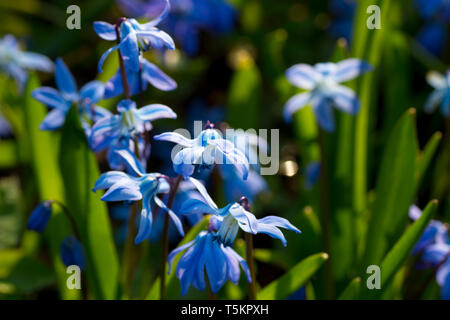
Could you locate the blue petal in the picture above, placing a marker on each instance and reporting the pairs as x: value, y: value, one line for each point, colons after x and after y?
x: 65, y: 81
x: 324, y: 114
x: 156, y: 77
x: 246, y: 220
x: 196, y: 206
x: 105, y: 30
x: 105, y: 55
x: 40, y: 216
x: 350, y: 68
x: 93, y: 91
x: 107, y: 179
x: 346, y: 100
x: 216, y: 265
x: 122, y: 191
x: 50, y: 97
x: 131, y: 161
x: 227, y: 154
x: 278, y: 222
x: 157, y: 38
x: 295, y: 103
x: 185, y: 161
x: 204, y: 193
x: 175, y: 138
x: 159, y: 18
x: 436, y: 253
x: 130, y: 51
x: 173, y: 216
x: 145, y: 224
x: 303, y: 76
x: 72, y: 252
x: 54, y: 120
x: 176, y: 251
x: 35, y: 61
x: 156, y: 111
x: 272, y: 231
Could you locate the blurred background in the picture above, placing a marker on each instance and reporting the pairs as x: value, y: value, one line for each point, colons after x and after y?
x: 229, y: 66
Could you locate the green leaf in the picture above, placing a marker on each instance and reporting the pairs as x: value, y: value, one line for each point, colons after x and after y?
x: 10, y: 154
x: 48, y: 180
x: 80, y: 171
x: 394, y: 189
x: 402, y: 249
x: 352, y: 290
x: 424, y: 158
x: 294, y: 279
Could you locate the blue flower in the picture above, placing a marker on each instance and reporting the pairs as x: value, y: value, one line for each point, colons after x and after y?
x: 438, y: 256
x: 322, y: 82
x: 40, y: 216
x: 15, y: 62
x: 143, y: 186
x: 137, y: 81
x: 441, y: 94
x: 133, y: 38
x: 187, y: 18
x: 72, y: 252
x: 235, y: 216
x: 61, y: 101
x: 207, y: 149
x: 435, y: 232
x: 343, y: 12
x: 312, y: 174
x: 207, y: 252
x: 116, y: 132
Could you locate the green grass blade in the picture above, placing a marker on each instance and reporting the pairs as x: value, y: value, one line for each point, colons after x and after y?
x: 352, y: 291
x: 80, y: 171
x: 424, y: 158
x: 294, y: 279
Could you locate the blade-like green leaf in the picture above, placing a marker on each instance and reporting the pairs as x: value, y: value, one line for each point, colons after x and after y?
x: 44, y: 153
x: 293, y: 279
x: 352, y: 290
x: 424, y: 158
x: 80, y: 171
x: 394, y: 189
x: 402, y: 249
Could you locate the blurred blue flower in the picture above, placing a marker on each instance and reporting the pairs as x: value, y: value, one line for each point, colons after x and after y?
x: 312, y: 174
x: 72, y: 252
x: 134, y: 37
x: 40, y: 216
x: 117, y: 132
x: 234, y: 216
x: 61, y: 101
x: 436, y: 14
x: 187, y: 18
x: 207, y: 252
x: 207, y: 149
x: 143, y: 186
x: 441, y: 94
x: 15, y: 62
x: 342, y: 12
x: 137, y: 81
x: 322, y: 82
x: 5, y: 128
x: 438, y: 256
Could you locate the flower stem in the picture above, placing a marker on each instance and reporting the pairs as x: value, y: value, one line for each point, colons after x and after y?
x: 249, y: 251
x: 325, y: 216
x: 165, y: 247
x: 126, y: 88
x: 70, y: 217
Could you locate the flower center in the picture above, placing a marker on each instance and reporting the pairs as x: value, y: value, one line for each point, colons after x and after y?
x: 228, y: 230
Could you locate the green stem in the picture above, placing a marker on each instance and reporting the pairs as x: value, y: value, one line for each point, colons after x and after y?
x: 325, y: 216
x: 165, y: 247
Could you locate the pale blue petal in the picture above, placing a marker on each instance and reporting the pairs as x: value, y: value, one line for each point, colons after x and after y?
x: 175, y: 138
x: 35, y: 61
x: 64, y: 80
x: 303, y: 76
x: 234, y: 271
x: 433, y: 100
x: 159, y: 18
x: 145, y: 224
x: 346, y: 100
x: 157, y: 78
x: 204, y: 193
x: 173, y: 216
x: 121, y: 192
x: 350, y: 68
x: 436, y: 80
x: 278, y: 222
x: 53, y: 120
x: 105, y: 30
x: 156, y: 111
x: 272, y: 231
x: 176, y: 251
x: 157, y: 38
x: 130, y: 51
x: 216, y: 265
x: 93, y: 91
x: 107, y: 179
x: 324, y: 114
x: 105, y: 55
x: 50, y: 97
x: 295, y: 103
x: 196, y: 206
x: 131, y: 161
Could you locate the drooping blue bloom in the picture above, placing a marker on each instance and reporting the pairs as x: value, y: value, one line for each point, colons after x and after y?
x: 40, y: 216
x: 72, y: 252
x: 15, y: 62
x: 322, y: 82
x: 117, y: 132
x: 143, y: 186
x: 207, y: 149
x: 342, y: 12
x: 5, y: 128
x: 234, y: 217
x: 208, y: 253
x: 61, y: 101
x: 312, y: 174
x: 441, y: 94
x: 187, y: 18
x: 137, y: 81
x: 433, y: 34
x: 134, y: 37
